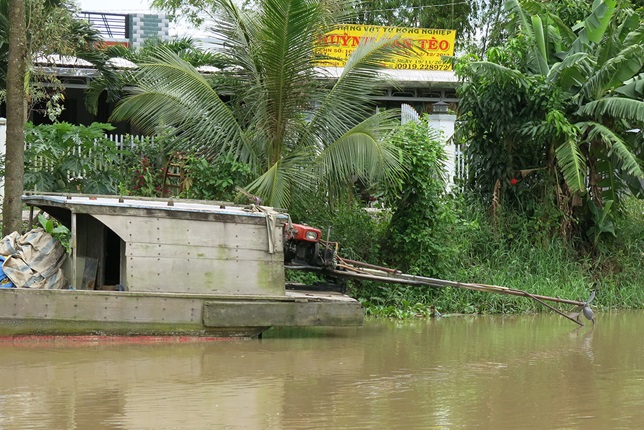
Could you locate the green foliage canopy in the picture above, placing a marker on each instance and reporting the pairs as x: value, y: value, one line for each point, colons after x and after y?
x: 413, y: 239
x: 63, y: 157
x: 295, y: 129
x: 52, y: 29
x: 560, y: 100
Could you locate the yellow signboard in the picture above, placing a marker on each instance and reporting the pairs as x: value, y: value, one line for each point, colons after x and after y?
x: 422, y: 47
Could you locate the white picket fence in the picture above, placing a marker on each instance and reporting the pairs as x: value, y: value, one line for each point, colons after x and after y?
x: 123, y: 142
x: 130, y: 142
x: 127, y: 141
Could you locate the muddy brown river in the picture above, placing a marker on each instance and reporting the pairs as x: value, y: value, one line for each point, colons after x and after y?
x: 523, y: 372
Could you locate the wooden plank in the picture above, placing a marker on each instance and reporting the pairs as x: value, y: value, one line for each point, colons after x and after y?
x: 89, y: 274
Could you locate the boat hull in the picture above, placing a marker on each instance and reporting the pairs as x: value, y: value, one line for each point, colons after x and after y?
x: 83, y: 312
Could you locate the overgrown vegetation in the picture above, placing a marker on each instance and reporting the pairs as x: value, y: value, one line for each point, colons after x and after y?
x: 553, y: 124
x: 61, y: 157
x: 509, y: 253
x: 66, y: 158
x: 415, y: 235
x: 458, y: 237
x: 561, y: 109
x: 427, y: 231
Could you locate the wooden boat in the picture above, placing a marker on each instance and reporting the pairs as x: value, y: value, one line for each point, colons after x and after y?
x: 163, y: 267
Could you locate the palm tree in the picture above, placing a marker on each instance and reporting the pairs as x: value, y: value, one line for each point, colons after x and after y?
x: 296, y: 130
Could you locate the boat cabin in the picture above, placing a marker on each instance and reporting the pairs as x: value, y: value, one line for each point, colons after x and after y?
x: 155, y: 245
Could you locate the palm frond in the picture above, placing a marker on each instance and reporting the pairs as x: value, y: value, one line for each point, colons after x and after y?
x: 595, y: 25
x: 566, y: 34
x: 633, y: 88
x: 556, y: 128
x: 111, y: 82
x: 571, y: 71
x: 234, y: 34
x: 636, y: 35
x: 288, y: 78
x: 278, y: 184
x: 628, y: 33
x: 498, y: 72
x: 170, y: 92
x: 350, y: 100
x: 272, y: 50
x: 539, y: 50
x: 533, y: 28
x: 520, y: 17
x: 615, y: 71
x: 361, y: 152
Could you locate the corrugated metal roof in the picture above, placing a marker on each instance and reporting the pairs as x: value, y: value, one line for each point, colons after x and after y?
x: 61, y: 61
x: 418, y: 77
x: 443, y: 76
x: 69, y: 61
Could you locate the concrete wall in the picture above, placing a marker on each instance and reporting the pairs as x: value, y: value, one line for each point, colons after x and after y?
x: 444, y: 123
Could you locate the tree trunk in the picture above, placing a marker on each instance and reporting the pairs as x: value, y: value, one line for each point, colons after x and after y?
x: 16, y: 117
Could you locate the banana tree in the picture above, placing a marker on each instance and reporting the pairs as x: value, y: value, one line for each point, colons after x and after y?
x: 599, y: 72
x: 582, y: 88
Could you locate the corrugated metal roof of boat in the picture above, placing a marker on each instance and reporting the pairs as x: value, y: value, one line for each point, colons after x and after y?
x: 165, y: 204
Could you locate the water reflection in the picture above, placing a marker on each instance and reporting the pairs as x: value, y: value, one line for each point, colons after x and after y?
x: 485, y: 372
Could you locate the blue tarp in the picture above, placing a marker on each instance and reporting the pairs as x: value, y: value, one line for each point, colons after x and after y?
x: 5, y: 282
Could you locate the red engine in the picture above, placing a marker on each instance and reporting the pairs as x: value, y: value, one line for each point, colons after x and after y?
x: 303, y: 232
x: 301, y: 244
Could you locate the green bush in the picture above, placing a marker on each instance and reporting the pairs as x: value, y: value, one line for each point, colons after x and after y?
x: 414, y: 240
x: 358, y: 230
x: 214, y: 180
x: 144, y: 168
x: 71, y: 158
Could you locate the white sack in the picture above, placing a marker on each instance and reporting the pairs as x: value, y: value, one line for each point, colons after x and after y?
x: 33, y: 260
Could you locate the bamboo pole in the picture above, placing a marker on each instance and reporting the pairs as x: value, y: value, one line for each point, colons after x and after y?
x: 396, y: 278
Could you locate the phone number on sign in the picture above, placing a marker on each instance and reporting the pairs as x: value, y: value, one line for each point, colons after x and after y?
x: 422, y: 66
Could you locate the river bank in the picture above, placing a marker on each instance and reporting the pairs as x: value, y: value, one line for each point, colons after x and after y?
x: 516, y: 252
